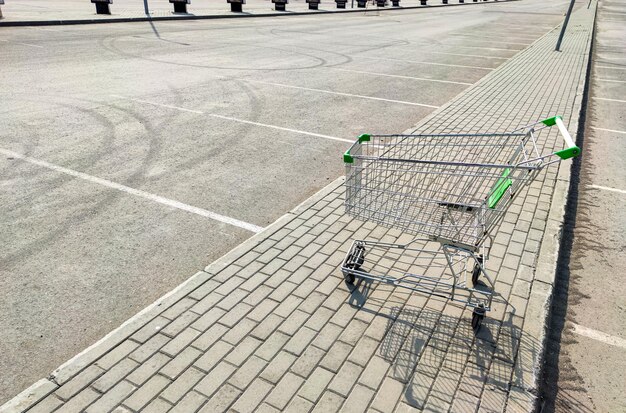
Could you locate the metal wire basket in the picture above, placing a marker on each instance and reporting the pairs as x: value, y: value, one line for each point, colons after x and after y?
x: 453, y: 189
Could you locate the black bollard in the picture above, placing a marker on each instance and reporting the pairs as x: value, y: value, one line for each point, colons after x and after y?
x: 236, y: 6
x: 102, y: 6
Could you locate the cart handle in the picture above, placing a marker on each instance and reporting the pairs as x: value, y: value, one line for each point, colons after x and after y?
x: 572, y: 150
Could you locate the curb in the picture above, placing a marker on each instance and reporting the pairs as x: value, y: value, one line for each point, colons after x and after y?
x: 226, y: 16
x: 68, y: 370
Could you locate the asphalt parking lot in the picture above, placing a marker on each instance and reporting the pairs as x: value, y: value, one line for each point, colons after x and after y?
x: 133, y: 155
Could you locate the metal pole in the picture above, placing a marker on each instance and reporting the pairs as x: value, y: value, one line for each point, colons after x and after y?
x: 569, y: 12
x: 352, y: 4
x: 145, y: 7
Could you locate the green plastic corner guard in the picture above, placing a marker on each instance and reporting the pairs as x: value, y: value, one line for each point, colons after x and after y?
x: 567, y: 153
x: 499, y: 189
x: 551, y: 121
x: 347, y: 157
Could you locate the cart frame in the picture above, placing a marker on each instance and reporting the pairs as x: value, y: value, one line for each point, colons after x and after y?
x: 452, y: 203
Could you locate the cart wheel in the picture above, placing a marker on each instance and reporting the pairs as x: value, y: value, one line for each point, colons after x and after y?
x: 475, y: 275
x: 477, y: 317
x: 349, y: 277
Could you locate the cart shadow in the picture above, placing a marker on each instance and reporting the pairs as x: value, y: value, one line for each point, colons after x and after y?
x: 424, y: 345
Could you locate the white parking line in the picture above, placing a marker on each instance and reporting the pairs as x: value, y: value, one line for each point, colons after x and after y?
x: 401, y: 77
x: 599, y: 336
x: 609, y: 130
x: 137, y: 192
x: 611, y: 67
x: 23, y: 44
x: 214, y: 115
x: 484, y: 39
x: 402, y: 102
x: 606, y: 188
x: 611, y: 100
x: 482, y: 47
x: 470, y: 55
x: 611, y: 80
x: 424, y: 63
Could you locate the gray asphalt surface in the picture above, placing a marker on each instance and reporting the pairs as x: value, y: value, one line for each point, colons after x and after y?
x: 242, y: 118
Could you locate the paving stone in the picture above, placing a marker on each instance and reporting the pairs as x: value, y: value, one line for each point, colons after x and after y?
x: 212, y: 358
x: 305, y: 364
x: 79, y: 401
x: 284, y: 391
x: 242, y: 351
x: 78, y: 383
x: 147, y: 392
x: 239, y: 332
x: 213, y: 381
x: 388, y: 394
x: 221, y: 400
x: 111, y: 398
x: 148, y: 369
x: 335, y: 356
x: 209, y: 337
x: 329, y: 403
x: 190, y: 403
x: 375, y: 372
x: 293, y: 322
x: 208, y: 319
x: 157, y: 405
x: 114, y: 375
x: 182, y: 385
x: 299, y: 405
x: 180, y: 363
x: 147, y: 349
x: 272, y: 345
x: 118, y: 353
x: 327, y: 336
x: 47, y: 405
x: 252, y: 397
x: 345, y: 378
x: 248, y: 372
x: 277, y: 368
x: 178, y: 343
x: 300, y: 341
x: 358, y: 400
x: 316, y: 384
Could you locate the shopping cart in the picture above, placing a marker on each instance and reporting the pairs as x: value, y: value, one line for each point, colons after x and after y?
x: 448, y: 192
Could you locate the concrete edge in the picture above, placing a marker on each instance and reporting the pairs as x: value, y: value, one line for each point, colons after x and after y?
x: 550, y: 252
x: 68, y: 370
x: 227, y: 16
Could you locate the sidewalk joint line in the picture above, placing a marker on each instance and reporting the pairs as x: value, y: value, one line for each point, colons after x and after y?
x: 599, y: 336
x: 470, y: 55
x: 137, y: 192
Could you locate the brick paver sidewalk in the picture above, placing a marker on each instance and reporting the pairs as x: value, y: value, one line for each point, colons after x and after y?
x: 272, y: 326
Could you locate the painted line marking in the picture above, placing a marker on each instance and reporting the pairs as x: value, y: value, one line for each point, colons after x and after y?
x: 609, y: 130
x: 611, y: 67
x: 482, y: 47
x: 214, y: 115
x: 401, y: 77
x: 402, y: 102
x: 611, y: 80
x: 470, y: 55
x: 137, y: 192
x: 23, y: 44
x: 606, y: 188
x: 483, y: 39
x: 611, y: 100
x: 425, y: 63
x: 599, y: 336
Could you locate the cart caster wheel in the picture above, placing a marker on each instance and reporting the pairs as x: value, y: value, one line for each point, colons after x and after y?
x: 475, y: 275
x: 476, y: 271
x: 477, y: 318
x: 349, y: 277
